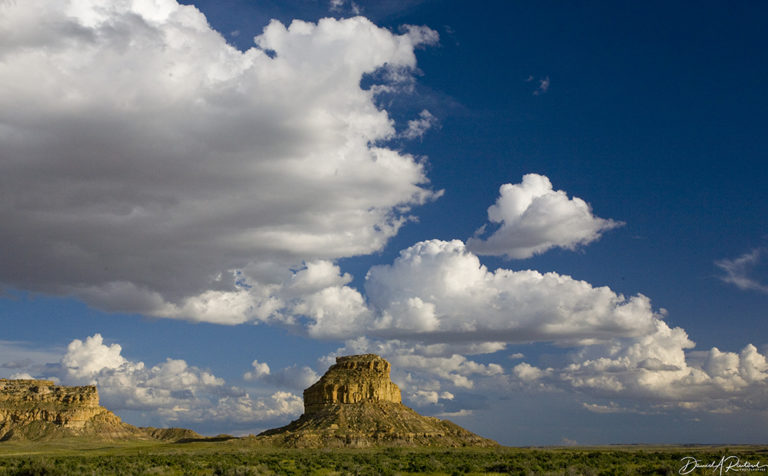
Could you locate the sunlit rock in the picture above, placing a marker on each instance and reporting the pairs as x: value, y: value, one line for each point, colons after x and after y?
x: 355, y: 404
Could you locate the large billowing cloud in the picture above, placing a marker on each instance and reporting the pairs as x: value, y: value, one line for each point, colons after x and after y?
x: 438, y: 291
x: 148, y: 166
x: 534, y: 218
x: 438, y: 287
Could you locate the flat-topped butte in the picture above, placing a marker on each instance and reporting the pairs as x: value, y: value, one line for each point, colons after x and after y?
x: 355, y: 404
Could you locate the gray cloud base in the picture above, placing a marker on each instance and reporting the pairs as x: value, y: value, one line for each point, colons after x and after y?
x: 145, y: 161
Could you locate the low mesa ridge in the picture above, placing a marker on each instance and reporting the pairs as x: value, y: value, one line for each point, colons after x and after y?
x: 41, y: 410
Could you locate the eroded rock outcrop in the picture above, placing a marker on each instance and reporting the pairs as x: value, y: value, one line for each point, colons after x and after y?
x: 41, y: 410
x: 355, y: 404
x: 353, y: 379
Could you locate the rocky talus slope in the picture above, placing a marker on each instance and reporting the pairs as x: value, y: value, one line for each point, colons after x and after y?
x: 41, y: 410
x: 355, y: 404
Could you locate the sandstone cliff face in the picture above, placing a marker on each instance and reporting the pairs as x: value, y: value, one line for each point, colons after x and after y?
x: 353, y: 379
x: 24, y: 401
x: 355, y: 404
x: 39, y: 409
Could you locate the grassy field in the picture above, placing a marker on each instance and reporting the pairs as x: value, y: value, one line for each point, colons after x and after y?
x: 244, y: 457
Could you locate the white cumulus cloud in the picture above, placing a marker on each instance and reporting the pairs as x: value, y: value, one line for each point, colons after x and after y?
x: 439, y: 290
x: 260, y: 369
x: 534, y: 218
x: 84, y: 360
x: 429, y: 397
x: 293, y: 377
x: 660, y: 370
x: 173, y: 391
x: 150, y: 167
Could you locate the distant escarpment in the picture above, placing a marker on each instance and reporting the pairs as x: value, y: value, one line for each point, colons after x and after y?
x: 41, y: 410
x: 355, y: 404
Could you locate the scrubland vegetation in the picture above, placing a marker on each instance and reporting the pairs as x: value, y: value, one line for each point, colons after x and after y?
x: 241, y: 457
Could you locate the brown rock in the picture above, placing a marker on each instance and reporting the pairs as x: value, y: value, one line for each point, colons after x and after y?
x: 353, y: 379
x: 355, y: 404
x: 41, y: 410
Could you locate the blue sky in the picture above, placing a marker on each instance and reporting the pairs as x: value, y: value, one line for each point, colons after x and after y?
x: 548, y: 217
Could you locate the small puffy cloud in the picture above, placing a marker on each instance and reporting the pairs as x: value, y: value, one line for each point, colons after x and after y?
x: 740, y: 271
x: 293, y: 377
x: 84, y: 360
x: 421, y: 36
x: 543, y: 86
x: 752, y: 365
x: 418, y: 127
x: 260, y: 369
x: 335, y: 312
x: 422, y: 398
x: 344, y: 6
x: 534, y: 218
x: 151, y: 167
x: 526, y: 372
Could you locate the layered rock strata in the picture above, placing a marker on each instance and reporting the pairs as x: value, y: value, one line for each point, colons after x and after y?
x: 41, y: 410
x: 353, y: 379
x: 355, y: 404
